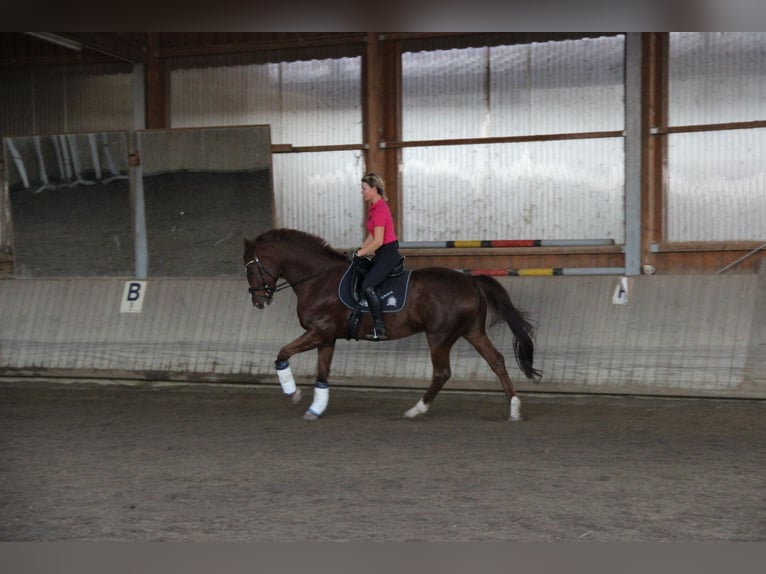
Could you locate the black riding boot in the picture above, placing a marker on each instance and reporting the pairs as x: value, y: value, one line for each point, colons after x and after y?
x: 373, y: 304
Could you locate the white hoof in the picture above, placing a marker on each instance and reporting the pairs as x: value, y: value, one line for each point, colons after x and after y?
x: 419, y: 409
x: 515, y: 415
x: 309, y: 416
x: 295, y: 398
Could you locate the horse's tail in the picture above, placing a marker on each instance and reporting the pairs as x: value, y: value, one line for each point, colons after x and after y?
x: 523, y: 331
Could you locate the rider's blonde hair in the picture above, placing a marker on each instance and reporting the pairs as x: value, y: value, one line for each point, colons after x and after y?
x: 374, y: 180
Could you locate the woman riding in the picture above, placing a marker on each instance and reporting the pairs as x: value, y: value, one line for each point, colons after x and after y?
x: 382, y: 245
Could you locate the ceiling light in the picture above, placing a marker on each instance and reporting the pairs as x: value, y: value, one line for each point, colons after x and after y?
x: 56, y: 39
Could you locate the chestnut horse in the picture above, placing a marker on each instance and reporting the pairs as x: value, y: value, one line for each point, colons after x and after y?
x: 444, y: 303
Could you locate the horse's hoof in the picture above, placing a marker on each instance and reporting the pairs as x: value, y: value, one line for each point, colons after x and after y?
x: 296, y: 397
x: 420, y: 408
x: 309, y: 416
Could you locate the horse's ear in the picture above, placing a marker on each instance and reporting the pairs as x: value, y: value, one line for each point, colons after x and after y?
x: 247, y: 243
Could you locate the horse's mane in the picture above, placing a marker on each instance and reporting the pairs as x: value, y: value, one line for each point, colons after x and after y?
x: 305, y: 240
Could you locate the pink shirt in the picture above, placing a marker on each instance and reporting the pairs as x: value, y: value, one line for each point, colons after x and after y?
x: 379, y: 215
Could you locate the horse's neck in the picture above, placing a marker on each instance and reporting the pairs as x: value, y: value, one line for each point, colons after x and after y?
x: 300, y: 269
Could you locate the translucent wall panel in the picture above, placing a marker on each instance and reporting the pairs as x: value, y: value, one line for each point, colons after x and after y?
x: 553, y: 87
x: 224, y: 96
x: 320, y: 193
x: 444, y: 94
x: 717, y: 77
x: 717, y: 186
x: 558, y: 87
x: 66, y: 99
x: 315, y: 102
x: 538, y: 190
x: 99, y: 102
x: 322, y: 102
x: 16, y: 89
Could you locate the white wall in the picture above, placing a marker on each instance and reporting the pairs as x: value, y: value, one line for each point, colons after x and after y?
x: 684, y: 335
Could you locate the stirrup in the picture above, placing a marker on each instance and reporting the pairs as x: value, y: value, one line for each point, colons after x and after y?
x: 377, y: 334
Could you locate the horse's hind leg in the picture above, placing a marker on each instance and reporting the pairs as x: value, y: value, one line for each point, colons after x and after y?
x: 440, y: 350
x: 482, y: 343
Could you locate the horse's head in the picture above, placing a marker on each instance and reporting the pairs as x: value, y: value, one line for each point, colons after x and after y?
x: 294, y: 255
x: 261, y: 280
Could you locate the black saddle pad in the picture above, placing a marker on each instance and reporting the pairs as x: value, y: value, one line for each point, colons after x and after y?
x: 393, y: 291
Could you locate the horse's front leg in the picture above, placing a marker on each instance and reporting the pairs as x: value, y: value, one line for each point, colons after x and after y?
x: 309, y: 340
x: 321, y: 387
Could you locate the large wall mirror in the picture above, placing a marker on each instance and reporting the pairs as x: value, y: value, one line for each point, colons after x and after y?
x: 75, y: 211
x: 205, y: 189
x: 70, y: 204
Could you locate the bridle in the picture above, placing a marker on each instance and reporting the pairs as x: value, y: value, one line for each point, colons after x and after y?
x: 267, y: 289
x: 263, y: 272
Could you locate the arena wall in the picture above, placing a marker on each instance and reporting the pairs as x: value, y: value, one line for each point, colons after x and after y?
x: 691, y: 335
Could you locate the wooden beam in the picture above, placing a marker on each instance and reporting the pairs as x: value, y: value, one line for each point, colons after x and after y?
x: 332, y: 40
x: 504, y: 139
x: 711, y: 127
x: 129, y: 47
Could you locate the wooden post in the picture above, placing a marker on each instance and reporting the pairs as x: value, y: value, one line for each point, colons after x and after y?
x: 157, y: 86
x: 373, y: 104
x: 392, y: 126
x: 382, y: 114
x: 654, y: 118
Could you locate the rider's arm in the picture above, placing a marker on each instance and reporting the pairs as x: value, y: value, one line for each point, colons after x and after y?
x: 371, y: 244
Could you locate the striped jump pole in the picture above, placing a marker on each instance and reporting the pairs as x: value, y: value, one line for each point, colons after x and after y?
x: 505, y: 243
x: 546, y: 271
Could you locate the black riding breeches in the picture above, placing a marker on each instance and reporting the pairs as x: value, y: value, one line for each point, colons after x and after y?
x: 386, y: 258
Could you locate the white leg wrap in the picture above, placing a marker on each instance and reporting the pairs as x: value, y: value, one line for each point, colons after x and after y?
x: 420, y: 408
x: 321, y: 398
x: 286, y: 380
x: 515, y: 409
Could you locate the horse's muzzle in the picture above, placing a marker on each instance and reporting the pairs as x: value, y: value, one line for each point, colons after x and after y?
x: 259, y: 301
x: 261, y: 296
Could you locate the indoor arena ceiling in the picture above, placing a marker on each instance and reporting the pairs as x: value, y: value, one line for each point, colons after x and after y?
x: 22, y: 49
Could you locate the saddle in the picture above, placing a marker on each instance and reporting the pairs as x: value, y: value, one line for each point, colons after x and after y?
x: 392, y: 291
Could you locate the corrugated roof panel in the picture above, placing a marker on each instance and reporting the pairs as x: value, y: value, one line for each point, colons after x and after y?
x: 530, y: 89
x: 316, y: 102
x: 558, y: 87
x: 537, y: 190
x: 320, y: 193
x: 716, y: 77
x: 716, y: 186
